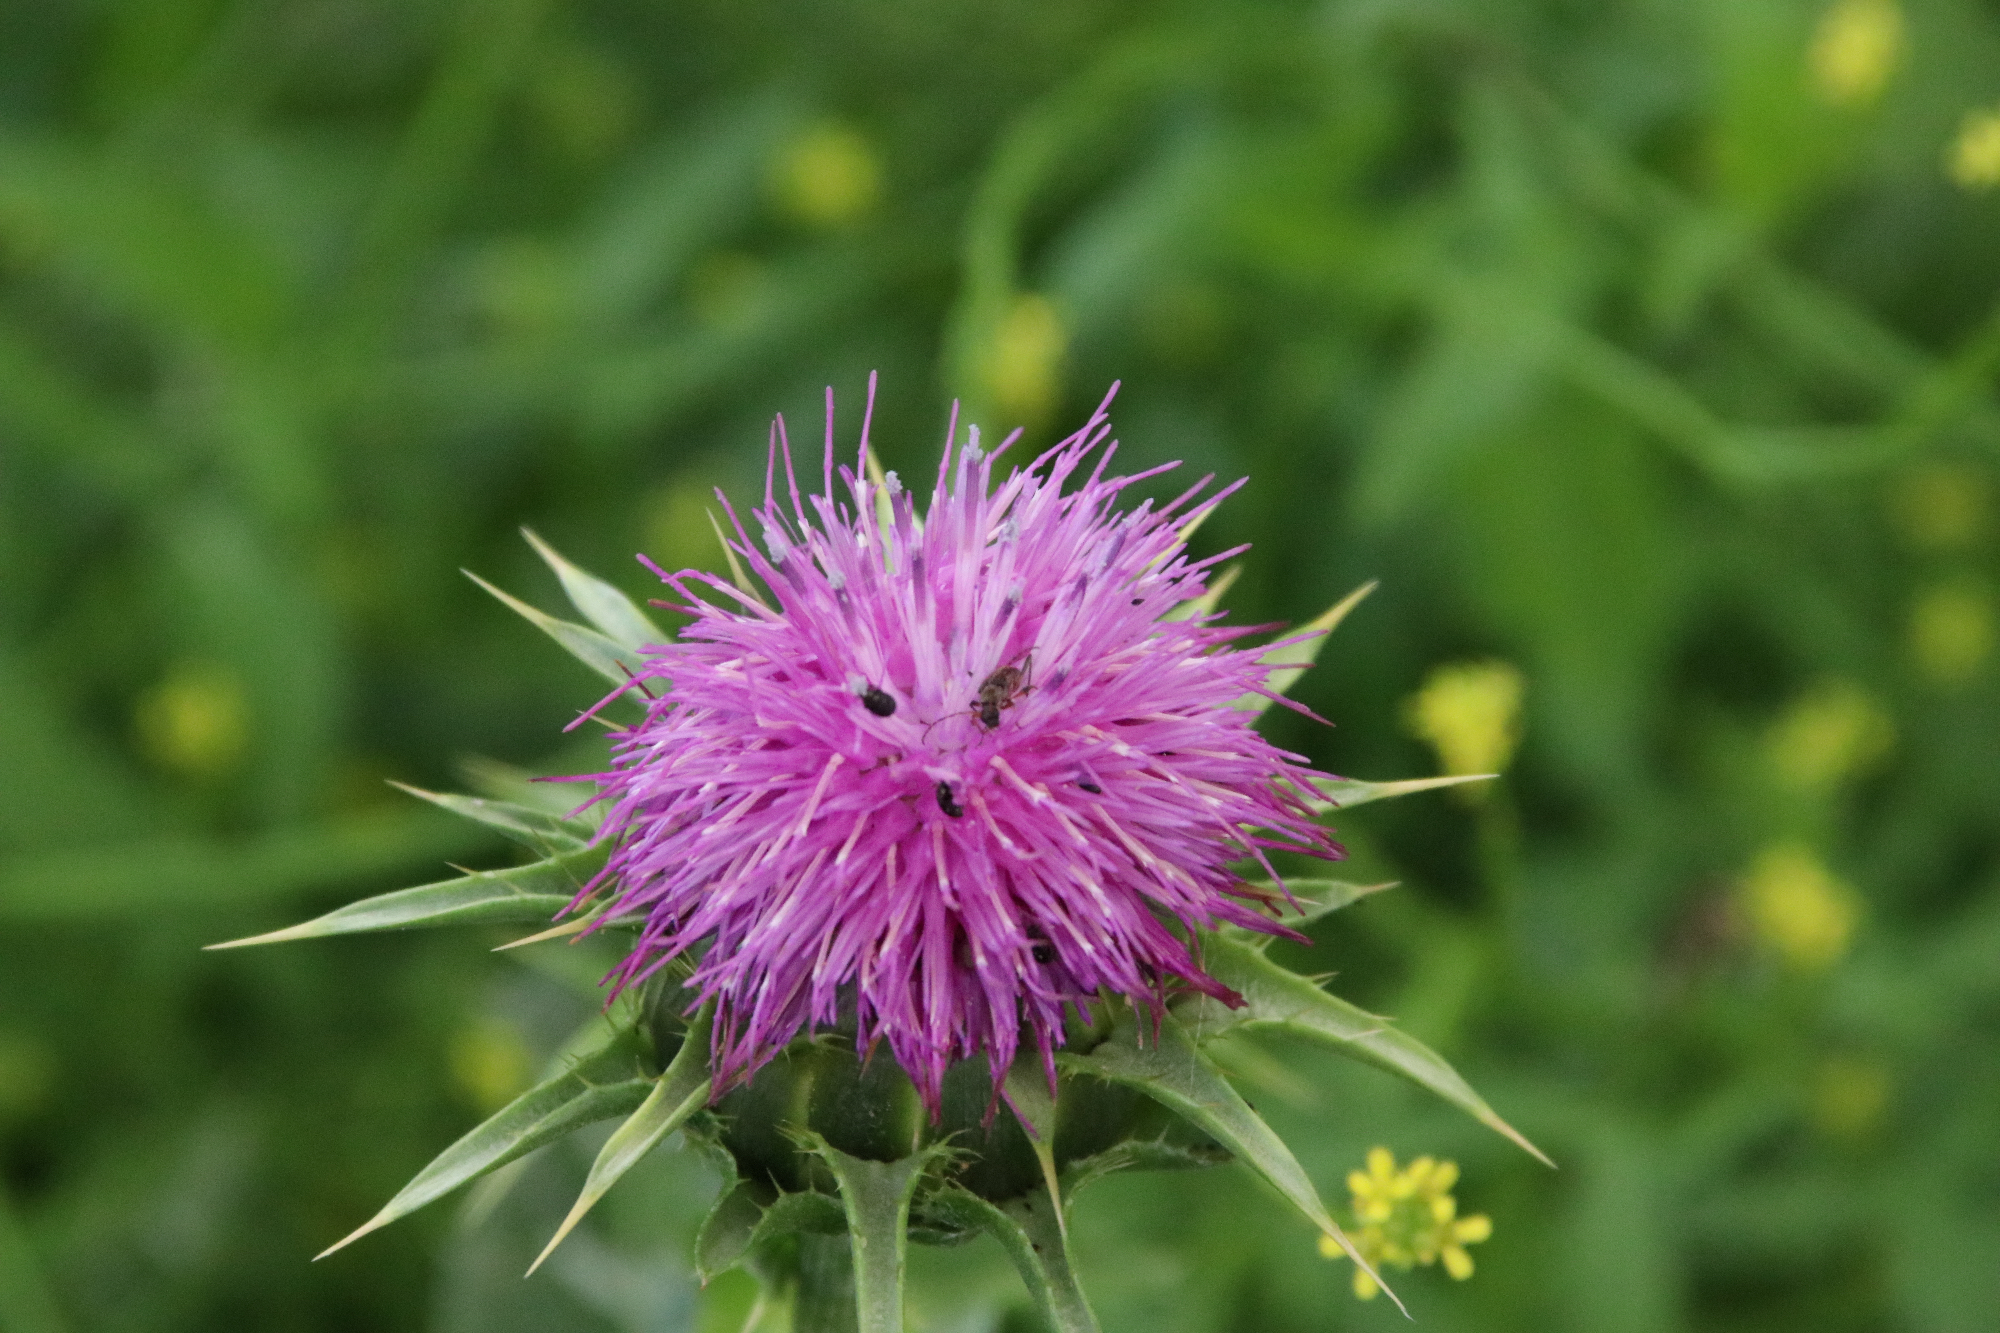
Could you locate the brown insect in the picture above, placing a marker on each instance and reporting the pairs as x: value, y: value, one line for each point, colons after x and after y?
x: 1000, y: 690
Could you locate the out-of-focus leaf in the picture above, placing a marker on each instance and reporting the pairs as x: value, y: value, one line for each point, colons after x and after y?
x: 189, y: 872
x: 1274, y: 996
x: 601, y: 604
x: 1171, y: 1069
x: 533, y: 829
x: 605, y: 1083
x: 678, y: 1093
x: 597, y: 651
x: 488, y: 897
x: 26, y: 1305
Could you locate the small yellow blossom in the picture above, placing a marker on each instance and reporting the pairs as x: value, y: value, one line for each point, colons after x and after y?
x: 1941, y: 506
x: 489, y: 1063
x: 1408, y: 1217
x: 1798, y: 908
x: 828, y: 177
x: 1855, y: 50
x: 1470, y: 713
x: 1974, y: 160
x: 1024, y: 360
x: 1951, y: 632
x: 196, y: 722
x: 1832, y: 732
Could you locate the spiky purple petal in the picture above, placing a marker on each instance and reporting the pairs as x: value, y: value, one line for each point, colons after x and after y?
x: 946, y: 886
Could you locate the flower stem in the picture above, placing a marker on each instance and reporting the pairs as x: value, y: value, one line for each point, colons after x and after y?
x: 825, y: 1300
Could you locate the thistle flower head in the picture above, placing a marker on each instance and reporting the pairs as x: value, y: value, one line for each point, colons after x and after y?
x: 960, y: 773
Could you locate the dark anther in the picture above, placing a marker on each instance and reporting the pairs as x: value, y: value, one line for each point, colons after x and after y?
x: 946, y: 804
x: 878, y: 702
x: 1043, y: 953
x: 1138, y: 601
x: 1091, y: 787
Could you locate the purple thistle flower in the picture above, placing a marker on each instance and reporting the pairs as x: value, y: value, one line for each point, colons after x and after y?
x: 962, y: 776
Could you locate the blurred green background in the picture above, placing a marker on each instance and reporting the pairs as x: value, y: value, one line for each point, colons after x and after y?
x: 1645, y: 349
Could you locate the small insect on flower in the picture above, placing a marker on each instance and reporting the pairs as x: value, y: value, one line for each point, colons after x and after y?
x: 999, y: 691
x: 923, y: 877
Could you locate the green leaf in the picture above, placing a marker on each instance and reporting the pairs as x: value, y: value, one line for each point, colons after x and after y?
x: 727, y: 1232
x: 505, y: 782
x: 595, y: 650
x: 601, y: 604
x: 1315, y: 898
x: 876, y: 1196
x: 1035, y: 1240
x: 1276, y: 997
x: 1173, y: 1071
x: 608, y: 1082
x: 1034, y: 1105
x: 533, y: 829
x: 524, y: 894
x: 677, y: 1094
x: 1346, y: 793
x: 1294, y: 658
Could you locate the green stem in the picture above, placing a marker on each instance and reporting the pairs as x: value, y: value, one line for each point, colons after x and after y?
x: 825, y: 1302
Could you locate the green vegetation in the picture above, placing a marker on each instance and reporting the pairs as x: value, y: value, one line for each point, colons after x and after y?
x: 1644, y: 352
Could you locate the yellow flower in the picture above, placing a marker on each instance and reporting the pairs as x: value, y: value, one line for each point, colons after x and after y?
x: 828, y: 177
x: 1024, y: 361
x: 1974, y: 160
x: 1470, y: 713
x: 196, y: 722
x: 1407, y: 1217
x: 1855, y: 50
x: 1797, y: 907
x: 1951, y: 632
x: 1833, y: 731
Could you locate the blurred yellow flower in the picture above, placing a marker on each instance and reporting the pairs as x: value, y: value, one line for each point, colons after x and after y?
x: 489, y: 1063
x: 1470, y: 713
x: 1408, y: 1217
x: 1951, y: 632
x: 828, y: 177
x: 1855, y: 49
x: 1974, y: 160
x: 1797, y: 908
x: 195, y: 722
x: 1024, y: 361
x: 1850, y: 1096
x: 1833, y: 731
x: 1941, y: 506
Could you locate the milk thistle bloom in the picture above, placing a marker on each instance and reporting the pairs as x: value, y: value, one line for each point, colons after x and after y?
x: 925, y: 814
x: 963, y: 776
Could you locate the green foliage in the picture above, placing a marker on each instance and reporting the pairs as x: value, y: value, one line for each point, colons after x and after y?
x: 1604, y: 337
